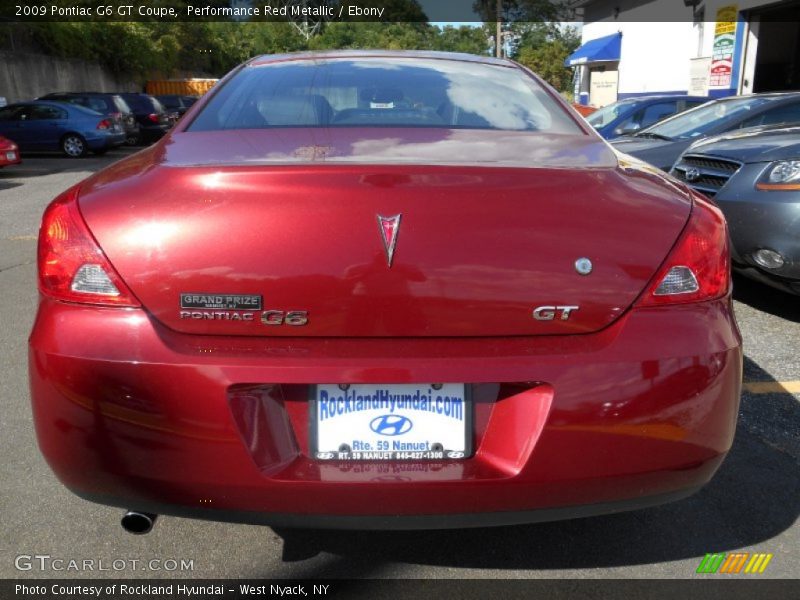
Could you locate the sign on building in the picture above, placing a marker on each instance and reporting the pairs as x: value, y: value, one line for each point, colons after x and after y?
x: 724, y: 45
x: 699, y: 76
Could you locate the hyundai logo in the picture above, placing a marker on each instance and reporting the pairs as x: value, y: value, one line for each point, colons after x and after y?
x: 391, y: 425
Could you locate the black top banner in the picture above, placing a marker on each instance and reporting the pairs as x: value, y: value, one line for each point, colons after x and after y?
x: 437, y: 11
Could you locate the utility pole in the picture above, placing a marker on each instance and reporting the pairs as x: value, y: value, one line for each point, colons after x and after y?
x: 308, y: 27
x: 498, y: 38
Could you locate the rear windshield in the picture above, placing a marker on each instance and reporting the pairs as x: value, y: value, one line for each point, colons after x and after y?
x: 142, y: 103
x: 383, y: 93
x: 121, y: 105
x: 170, y: 101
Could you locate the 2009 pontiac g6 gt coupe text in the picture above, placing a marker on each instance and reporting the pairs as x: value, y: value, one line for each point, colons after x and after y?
x: 376, y: 289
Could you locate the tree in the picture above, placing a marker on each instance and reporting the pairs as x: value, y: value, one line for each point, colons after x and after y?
x: 472, y: 40
x: 374, y: 35
x: 547, y: 61
x: 507, y: 12
x: 513, y: 11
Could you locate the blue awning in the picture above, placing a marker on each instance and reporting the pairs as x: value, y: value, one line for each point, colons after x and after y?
x: 602, y: 49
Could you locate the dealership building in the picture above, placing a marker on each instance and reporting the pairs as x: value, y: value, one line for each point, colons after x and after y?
x: 708, y: 48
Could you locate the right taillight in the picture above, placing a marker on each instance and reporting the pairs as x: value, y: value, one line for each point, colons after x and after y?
x: 698, y: 266
x: 153, y: 117
x: 72, y: 266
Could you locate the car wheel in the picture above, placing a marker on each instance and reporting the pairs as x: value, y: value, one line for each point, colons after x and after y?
x: 73, y: 145
x: 132, y: 140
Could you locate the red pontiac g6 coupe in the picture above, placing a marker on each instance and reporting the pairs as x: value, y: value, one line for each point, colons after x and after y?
x: 383, y: 289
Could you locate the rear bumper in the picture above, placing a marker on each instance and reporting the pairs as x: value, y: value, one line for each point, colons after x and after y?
x: 132, y: 129
x: 9, y: 156
x: 152, y: 133
x: 132, y: 414
x: 105, y: 141
x: 397, y: 522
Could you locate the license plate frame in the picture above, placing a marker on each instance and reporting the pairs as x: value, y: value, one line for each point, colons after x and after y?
x: 392, y: 455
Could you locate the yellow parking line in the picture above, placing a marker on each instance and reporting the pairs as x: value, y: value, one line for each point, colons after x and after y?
x: 772, y: 387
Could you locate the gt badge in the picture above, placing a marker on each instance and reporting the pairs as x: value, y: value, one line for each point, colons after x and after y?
x: 548, y: 313
x: 389, y: 228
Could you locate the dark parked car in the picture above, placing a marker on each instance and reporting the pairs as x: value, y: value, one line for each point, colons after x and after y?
x: 73, y: 129
x: 176, y: 103
x: 754, y: 177
x: 664, y: 142
x: 150, y: 115
x: 634, y: 114
x: 111, y: 105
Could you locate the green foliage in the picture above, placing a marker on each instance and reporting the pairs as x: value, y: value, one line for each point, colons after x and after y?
x: 149, y: 50
x: 472, y: 40
x: 512, y: 11
x: 547, y: 61
x: 367, y: 35
x: 543, y: 47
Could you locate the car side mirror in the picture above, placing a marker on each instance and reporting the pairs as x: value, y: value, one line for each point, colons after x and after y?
x: 627, y: 129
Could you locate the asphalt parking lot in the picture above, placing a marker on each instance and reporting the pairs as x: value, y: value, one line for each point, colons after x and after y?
x: 752, y: 504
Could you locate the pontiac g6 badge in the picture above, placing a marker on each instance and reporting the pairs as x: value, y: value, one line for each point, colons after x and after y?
x: 219, y: 307
x: 390, y: 228
x: 236, y: 307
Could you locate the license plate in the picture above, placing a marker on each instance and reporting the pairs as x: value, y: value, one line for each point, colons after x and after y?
x: 11, y: 155
x: 391, y: 422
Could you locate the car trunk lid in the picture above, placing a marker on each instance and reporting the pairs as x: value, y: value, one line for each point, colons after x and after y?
x: 476, y: 251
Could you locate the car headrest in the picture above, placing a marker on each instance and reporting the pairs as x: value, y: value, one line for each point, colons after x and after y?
x: 296, y: 111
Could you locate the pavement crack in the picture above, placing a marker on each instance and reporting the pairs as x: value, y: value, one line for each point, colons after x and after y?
x: 3, y: 270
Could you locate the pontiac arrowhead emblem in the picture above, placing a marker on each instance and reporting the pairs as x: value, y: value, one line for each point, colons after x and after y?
x: 389, y: 227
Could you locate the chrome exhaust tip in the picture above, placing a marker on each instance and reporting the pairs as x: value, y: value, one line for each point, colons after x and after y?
x: 138, y: 523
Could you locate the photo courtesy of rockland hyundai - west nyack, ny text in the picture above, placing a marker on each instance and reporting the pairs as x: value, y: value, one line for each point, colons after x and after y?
x: 397, y: 299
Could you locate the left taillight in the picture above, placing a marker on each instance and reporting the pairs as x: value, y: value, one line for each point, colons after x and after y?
x: 104, y: 124
x: 698, y: 268
x: 72, y: 267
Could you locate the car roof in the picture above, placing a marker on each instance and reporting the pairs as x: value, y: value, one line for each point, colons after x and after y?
x: 366, y: 54
x: 663, y: 97
x: 66, y: 105
x: 81, y: 94
x: 776, y: 95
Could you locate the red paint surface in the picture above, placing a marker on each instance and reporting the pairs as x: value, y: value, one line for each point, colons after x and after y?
x: 7, y: 146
